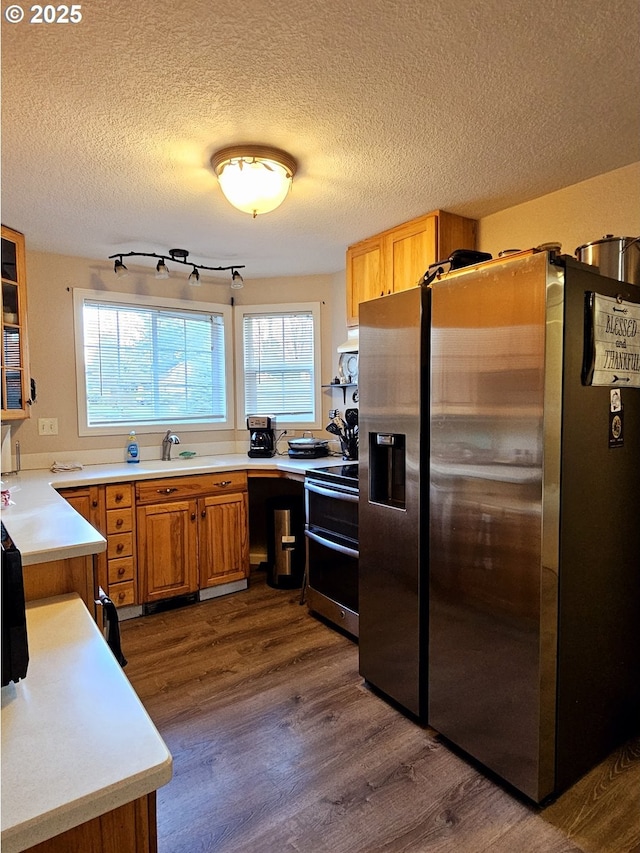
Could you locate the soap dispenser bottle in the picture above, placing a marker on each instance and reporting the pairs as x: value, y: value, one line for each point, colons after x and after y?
x: 133, y: 451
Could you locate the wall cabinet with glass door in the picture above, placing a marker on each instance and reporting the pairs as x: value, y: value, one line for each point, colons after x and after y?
x: 16, y: 382
x: 397, y: 258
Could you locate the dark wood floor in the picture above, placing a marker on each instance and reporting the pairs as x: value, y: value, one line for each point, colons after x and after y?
x: 279, y: 746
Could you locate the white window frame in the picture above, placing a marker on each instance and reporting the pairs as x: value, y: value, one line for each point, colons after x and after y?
x: 79, y: 297
x: 241, y: 311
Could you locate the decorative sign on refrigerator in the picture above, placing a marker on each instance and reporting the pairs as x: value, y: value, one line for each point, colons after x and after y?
x: 612, y: 344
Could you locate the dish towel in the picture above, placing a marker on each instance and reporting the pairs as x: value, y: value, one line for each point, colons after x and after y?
x: 65, y: 466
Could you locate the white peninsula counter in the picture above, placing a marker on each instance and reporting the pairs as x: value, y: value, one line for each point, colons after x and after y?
x: 76, y: 741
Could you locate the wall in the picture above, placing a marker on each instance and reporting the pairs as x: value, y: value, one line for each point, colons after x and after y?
x: 582, y: 213
x: 51, y: 279
x: 577, y: 214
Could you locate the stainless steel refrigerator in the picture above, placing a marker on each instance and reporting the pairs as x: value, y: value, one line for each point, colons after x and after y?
x: 394, y: 488
x: 504, y: 611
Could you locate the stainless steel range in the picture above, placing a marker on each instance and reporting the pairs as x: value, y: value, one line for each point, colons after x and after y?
x: 331, y: 528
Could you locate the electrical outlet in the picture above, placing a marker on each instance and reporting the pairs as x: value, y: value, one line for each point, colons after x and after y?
x: 47, y: 426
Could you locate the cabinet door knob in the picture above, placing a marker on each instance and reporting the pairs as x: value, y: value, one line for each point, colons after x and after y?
x: 94, y: 503
x: 203, y: 514
x: 193, y: 516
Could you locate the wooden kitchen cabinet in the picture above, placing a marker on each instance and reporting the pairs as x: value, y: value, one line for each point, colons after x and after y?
x: 89, y: 502
x: 130, y: 828
x: 223, y: 539
x: 364, y: 275
x: 397, y: 258
x: 110, y: 510
x: 15, y: 380
x: 120, y: 534
x: 192, y: 533
x: 408, y: 250
x: 168, y: 549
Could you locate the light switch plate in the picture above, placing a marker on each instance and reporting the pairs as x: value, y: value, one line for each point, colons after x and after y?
x: 47, y: 426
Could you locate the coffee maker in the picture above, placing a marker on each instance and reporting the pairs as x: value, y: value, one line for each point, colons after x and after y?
x: 262, y: 438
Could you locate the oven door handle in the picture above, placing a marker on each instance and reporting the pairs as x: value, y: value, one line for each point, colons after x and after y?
x: 333, y: 546
x: 333, y: 492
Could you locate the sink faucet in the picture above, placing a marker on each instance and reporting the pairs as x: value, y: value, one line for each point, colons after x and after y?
x: 169, y: 439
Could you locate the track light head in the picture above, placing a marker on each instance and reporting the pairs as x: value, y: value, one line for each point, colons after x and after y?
x: 162, y: 271
x: 119, y: 268
x: 194, y: 278
x: 236, y: 280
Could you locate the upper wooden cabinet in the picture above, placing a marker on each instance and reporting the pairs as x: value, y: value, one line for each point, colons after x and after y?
x: 364, y: 275
x: 16, y: 382
x: 398, y: 258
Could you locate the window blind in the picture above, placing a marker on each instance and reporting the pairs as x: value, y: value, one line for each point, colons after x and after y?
x: 148, y: 365
x: 279, y: 364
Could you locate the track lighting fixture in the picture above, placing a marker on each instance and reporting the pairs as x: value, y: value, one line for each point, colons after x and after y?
x: 177, y: 256
x: 254, y: 178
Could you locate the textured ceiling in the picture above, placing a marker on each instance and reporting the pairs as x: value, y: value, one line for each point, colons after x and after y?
x: 392, y: 109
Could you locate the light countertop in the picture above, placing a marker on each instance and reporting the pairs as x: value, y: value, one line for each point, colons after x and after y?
x: 45, y: 527
x: 76, y: 740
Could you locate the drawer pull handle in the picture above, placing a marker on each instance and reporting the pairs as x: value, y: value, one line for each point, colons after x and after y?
x: 121, y: 596
x: 119, y: 522
x: 119, y: 547
x: 119, y: 497
x: 223, y: 483
x: 167, y: 491
x: 120, y: 572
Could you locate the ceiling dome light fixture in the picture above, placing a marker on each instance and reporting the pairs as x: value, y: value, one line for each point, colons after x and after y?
x: 177, y: 256
x: 254, y: 178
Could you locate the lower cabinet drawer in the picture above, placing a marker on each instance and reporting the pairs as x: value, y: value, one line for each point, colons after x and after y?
x: 119, y: 495
x: 119, y: 545
x: 119, y: 520
x: 122, y: 593
x: 193, y: 486
x: 121, y: 570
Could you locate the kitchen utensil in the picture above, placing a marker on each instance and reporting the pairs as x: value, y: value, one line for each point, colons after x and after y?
x: 338, y: 420
x: 615, y: 257
x: 333, y: 429
x: 351, y: 417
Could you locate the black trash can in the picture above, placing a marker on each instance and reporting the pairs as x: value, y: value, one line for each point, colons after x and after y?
x: 286, y: 553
